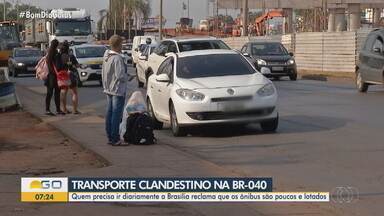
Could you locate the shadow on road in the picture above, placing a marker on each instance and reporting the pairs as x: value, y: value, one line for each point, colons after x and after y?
x: 288, y: 124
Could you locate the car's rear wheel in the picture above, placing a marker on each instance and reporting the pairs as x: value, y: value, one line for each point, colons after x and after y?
x: 140, y: 84
x: 176, y: 129
x: 156, y: 123
x: 293, y: 76
x: 360, y: 84
x: 270, y: 126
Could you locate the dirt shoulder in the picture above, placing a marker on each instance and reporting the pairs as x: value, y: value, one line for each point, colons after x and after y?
x: 31, y: 147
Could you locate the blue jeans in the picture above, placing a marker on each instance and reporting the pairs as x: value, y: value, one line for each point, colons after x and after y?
x: 113, y: 118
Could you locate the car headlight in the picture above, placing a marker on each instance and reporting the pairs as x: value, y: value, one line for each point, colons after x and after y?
x: 266, y: 90
x: 290, y: 62
x: 190, y: 95
x: 261, y: 62
x: 20, y: 64
x: 83, y: 66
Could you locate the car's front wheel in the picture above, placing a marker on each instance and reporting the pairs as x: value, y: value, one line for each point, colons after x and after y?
x: 293, y: 76
x: 360, y: 84
x: 177, y: 130
x: 270, y: 126
x: 156, y: 123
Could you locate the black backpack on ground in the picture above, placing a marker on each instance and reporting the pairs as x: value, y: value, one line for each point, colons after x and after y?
x: 139, y: 129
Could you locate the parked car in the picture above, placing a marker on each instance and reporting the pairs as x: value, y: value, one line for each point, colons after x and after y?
x: 271, y: 59
x: 127, y: 51
x: 370, y: 68
x: 210, y: 87
x: 90, y: 58
x: 24, y: 61
x: 142, y: 65
x: 180, y: 45
x: 138, y: 46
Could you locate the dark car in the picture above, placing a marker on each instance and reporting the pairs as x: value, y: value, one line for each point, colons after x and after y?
x: 370, y: 68
x: 24, y: 61
x: 271, y: 59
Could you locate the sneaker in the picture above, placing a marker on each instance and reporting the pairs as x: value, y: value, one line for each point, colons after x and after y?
x: 49, y: 113
x: 118, y: 143
x: 60, y: 113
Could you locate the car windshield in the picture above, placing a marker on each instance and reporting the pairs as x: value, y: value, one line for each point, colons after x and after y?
x: 201, y: 45
x: 268, y: 49
x: 90, y: 52
x: 27, y: 53
x: 213, y: 65
x: 68, y: 28
x: 127, y: 47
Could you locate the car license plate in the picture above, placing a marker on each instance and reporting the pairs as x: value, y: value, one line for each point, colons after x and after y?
x: 231, y: 107
x: 30, y: 68
x: 277, y: 68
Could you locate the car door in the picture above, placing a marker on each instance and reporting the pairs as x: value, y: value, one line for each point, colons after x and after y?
x: 376, y: 60
x: 161, y: 90
x: 141, y: 65
x: 158, y: 56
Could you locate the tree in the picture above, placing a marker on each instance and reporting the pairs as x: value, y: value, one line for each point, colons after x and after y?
x: 123, y: 12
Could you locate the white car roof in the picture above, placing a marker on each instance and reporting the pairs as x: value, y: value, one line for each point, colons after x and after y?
x: 206, y: 52
x: 88, y: 45
x: 181, y: 39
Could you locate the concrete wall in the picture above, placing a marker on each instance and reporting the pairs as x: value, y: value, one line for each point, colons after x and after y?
x: 330, y: 52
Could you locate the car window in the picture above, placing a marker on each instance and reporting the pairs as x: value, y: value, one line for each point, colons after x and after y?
x: 27, y: 53
x: 213, y: 65
x: 164, y: 67
x: 266, y: 49
x: 378, y: 44
x: 161, y: 46
x: 172, y: 47
x: 244, y: 49
x: 201, y: 45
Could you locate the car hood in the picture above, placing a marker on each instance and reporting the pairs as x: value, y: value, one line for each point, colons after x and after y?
x: 223, y: 81
x: 90, y: 61
x: 273, y: 57
x: 30, y: 59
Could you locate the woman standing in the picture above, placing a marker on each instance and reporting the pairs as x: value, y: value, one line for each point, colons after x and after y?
x: 51, y: 81
x: 69, y: 63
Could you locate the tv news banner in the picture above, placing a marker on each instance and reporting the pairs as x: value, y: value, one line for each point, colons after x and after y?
x: 75, y: 189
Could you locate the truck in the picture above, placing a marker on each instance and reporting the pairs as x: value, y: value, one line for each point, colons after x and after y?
x: 68, y: 24
x: 9, y: 39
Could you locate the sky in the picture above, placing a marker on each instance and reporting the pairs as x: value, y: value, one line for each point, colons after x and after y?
x: 172, y: 8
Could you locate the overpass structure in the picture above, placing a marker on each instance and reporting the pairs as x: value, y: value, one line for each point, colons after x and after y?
x: 338, y: 10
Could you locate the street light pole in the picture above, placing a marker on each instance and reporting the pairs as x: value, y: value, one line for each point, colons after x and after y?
x: 188, y: 8
x: 5, y: 11
x: 161, y: 21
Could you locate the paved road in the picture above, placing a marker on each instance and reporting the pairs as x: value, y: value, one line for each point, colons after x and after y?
x: 329, y: 136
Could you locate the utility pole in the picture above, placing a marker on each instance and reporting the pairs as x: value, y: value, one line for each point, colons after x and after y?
x: 188, y: 8
x: 161, y: 21
x: 5, y: 11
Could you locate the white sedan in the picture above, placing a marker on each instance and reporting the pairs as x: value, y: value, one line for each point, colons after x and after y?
x: 210, y: 87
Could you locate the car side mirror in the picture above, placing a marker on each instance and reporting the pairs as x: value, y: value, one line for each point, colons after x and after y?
x: 291, y: 54
x: 246, y: 55
x: 144, y: 58
x: 163, y: 78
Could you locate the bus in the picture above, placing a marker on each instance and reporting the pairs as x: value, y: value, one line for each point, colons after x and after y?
x: 9, y: 39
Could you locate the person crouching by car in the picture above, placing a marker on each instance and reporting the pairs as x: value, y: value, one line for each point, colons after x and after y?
x: 115, y: 81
